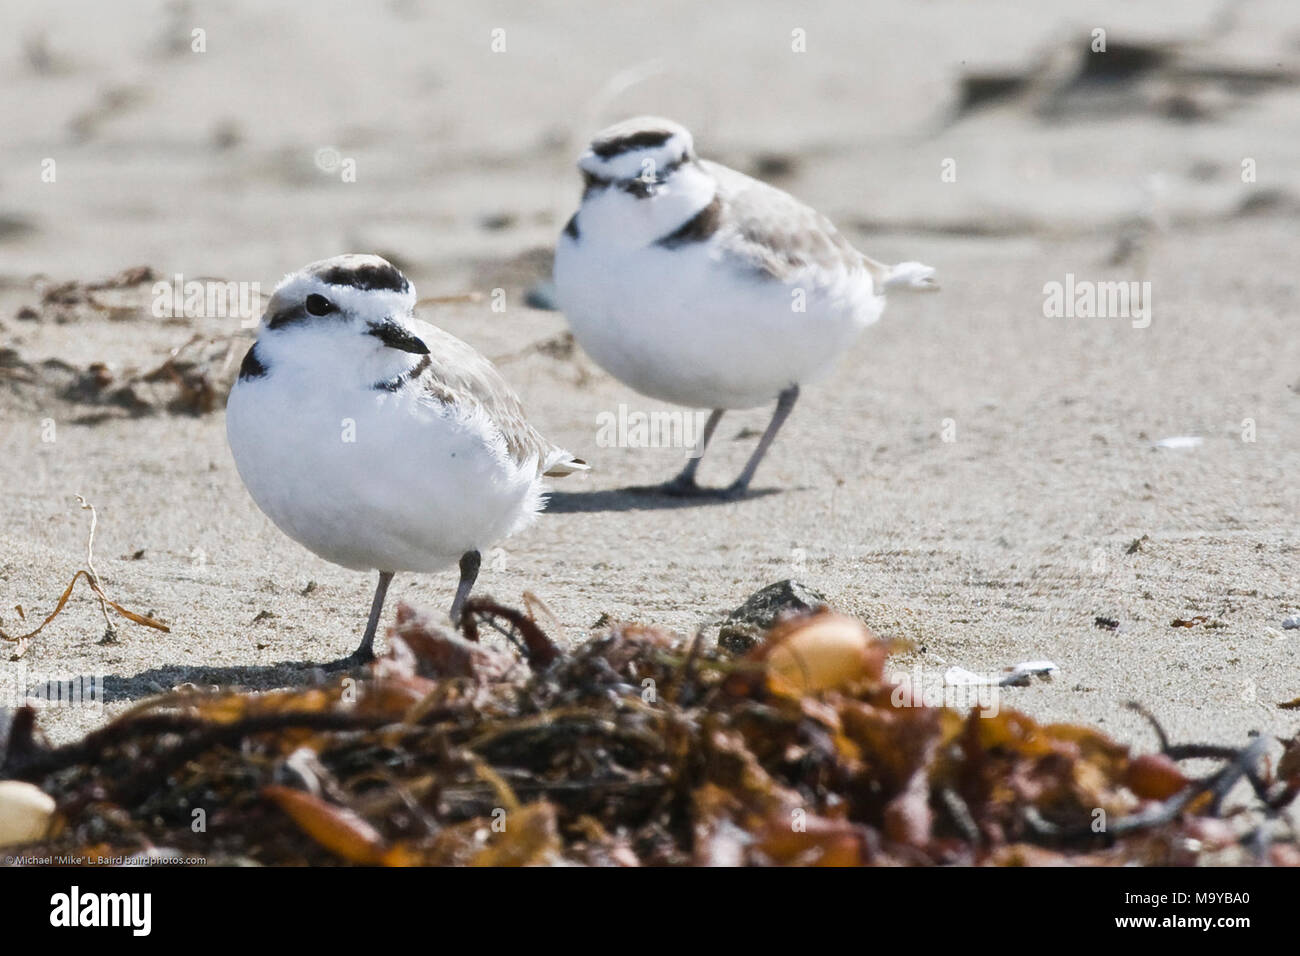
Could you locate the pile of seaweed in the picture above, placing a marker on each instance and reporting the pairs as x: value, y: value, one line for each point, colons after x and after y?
x: 637, y: 748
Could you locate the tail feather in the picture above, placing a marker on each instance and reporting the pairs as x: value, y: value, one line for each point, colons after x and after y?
x: 911, y: 277
x: 563, y: 464
x: 904, y: 277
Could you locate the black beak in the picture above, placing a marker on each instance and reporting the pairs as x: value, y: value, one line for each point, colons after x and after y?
x: 396, y: 337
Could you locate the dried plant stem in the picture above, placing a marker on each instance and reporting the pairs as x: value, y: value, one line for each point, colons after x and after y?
x: 92, y: 578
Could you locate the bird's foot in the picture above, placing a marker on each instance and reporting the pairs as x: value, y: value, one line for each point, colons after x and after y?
x: 358, y: 658
x: 681, y: 487
x: 734, y: 491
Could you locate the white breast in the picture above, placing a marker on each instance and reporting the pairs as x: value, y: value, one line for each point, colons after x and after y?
x: 688, y: 325
x: 373, y: 479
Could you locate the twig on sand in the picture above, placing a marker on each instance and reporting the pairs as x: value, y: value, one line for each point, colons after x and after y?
x: 92, y: 578
x: 109, y: 631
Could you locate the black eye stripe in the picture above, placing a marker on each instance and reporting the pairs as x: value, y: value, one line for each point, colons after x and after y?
x: 287, y: 316
x: 593, y: 183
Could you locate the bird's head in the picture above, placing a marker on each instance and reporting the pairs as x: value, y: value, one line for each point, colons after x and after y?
x: 638, y: 156
x: 348, y: 313
x: 642, y: 181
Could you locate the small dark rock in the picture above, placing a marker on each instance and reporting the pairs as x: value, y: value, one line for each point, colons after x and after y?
x: 541, y: 296
x: 746, y: 625
x: 14, y: 226
x: 226, y: 134
x: 495, y: 221
x: 774, y: 165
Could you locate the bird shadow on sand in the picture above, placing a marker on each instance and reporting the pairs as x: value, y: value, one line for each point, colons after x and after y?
x: 256, y: 677
x: 638, y: 498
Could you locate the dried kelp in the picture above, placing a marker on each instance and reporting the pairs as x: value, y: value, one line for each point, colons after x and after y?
x: 638, y: 748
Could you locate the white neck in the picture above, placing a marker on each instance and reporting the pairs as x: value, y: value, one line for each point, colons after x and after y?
x: 341, y: 355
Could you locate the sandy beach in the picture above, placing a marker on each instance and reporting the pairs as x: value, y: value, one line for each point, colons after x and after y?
x: 988, y: 481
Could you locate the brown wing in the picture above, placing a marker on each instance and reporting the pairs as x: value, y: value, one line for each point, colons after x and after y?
x: 458, y: 374
x: 776, y: 234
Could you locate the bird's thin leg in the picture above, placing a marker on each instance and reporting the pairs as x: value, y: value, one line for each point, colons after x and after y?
x: 684, y: 483
x: 469, y: 565
x: 784, y: 405
x: 365, y: 652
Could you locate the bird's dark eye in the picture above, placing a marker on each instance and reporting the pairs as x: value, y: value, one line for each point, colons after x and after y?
x: 318, y: 305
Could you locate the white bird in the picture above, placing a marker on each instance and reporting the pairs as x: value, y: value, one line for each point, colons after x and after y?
x: 378, y: 441
x: 698, y: 285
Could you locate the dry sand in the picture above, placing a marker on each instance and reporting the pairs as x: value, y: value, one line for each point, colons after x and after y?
x: 1000, y: 546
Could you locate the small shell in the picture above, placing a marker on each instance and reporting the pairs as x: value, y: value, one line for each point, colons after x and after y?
x: 820, y: 652
x: 1154, y: 777
x: 25, y: 813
